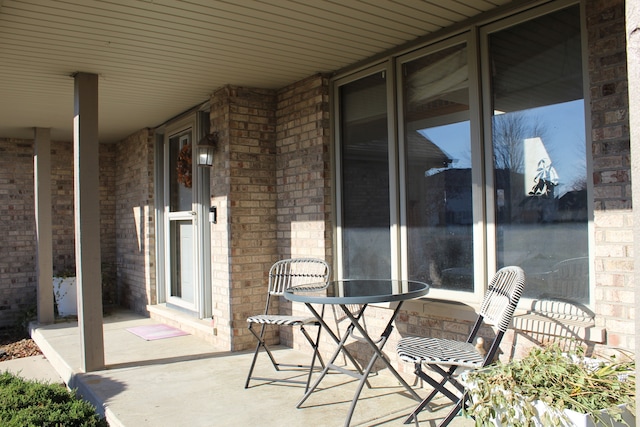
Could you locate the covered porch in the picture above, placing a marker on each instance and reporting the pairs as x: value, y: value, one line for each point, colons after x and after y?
x: 136, y: 382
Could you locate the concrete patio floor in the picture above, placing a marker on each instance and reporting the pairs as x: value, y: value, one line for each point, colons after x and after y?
x: 183, y: 381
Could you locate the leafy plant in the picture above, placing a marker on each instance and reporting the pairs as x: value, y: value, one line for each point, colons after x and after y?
x: 507, y: 392
x: 21, y: 323
x: 30, y: 403
x: 66, y: 272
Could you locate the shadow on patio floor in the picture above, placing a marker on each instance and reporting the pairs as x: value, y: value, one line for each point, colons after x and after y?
x: 183, y: 381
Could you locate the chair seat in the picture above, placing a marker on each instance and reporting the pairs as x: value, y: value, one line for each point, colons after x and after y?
x: 440, y: 352
x: 275, y: 319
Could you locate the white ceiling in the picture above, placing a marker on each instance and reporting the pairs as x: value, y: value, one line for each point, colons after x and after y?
x: 157, y: 58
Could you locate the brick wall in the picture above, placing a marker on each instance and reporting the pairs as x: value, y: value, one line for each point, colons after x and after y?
x: 108, y: 199
x: 271, y: 185
x: 614, y: 292
x: 18, y: 252
x: 17, y: 225
x: 62, y: 217
x: 303, y: 179
x: 62, y: 211
x: 243, y: 185
x: 135, y: 219
x: 303, y: 169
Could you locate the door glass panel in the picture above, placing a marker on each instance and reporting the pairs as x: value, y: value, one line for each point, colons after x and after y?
x: 366, y: 244
x: 181, y: 286
x: 438, y: 169
x: 539, y: 154
x: 180, y: 173
x: 182, y: 283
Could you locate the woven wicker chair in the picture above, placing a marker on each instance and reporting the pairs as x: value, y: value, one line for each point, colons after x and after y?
x: 282, y: 275
x: 445, y: 356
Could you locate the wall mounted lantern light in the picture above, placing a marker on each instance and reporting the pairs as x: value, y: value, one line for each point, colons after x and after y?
x: 206, y: 148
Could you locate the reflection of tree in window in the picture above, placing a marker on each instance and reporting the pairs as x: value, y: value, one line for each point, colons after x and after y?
x: 509, y: 132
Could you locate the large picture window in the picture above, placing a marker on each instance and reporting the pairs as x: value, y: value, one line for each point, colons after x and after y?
x: 491, y: 164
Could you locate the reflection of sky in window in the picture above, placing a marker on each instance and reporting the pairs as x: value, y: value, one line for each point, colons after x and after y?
x: 453, y: 140
x: 564, y: 140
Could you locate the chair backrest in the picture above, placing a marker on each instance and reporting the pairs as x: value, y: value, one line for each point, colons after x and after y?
x: 297, y: 271
x: 502, y: 296
x: 498, y: 306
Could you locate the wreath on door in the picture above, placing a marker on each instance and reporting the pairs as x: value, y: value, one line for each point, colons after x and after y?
x: 184, y: 167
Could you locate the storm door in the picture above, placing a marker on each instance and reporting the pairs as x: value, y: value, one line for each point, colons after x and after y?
x: 182, y: 281
x: 185, y: 276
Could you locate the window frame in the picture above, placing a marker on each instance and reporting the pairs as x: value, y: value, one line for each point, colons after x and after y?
x: 484, y: 32
x: 468, y: 38
x: 476, y: 36
x: 382, y: 67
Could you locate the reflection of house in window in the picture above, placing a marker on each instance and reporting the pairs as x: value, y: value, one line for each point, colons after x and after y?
x: 571, y: 206
x: 426, y: 199
x: 426, y: 155
x: 446, y: 190
x: 457, y: 201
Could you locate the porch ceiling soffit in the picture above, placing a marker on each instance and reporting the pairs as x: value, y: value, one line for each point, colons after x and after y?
x: 158, y: 58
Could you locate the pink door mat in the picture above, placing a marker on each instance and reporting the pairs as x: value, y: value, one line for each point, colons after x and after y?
x: 156, y: 332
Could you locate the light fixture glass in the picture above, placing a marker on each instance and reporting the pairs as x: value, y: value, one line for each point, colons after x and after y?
x: 205, y: 149
x: 205, y: 155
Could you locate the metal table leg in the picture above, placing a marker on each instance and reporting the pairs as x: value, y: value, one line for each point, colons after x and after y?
x: 377, y: 355
x: 330, y: 364
x: 361, y: 375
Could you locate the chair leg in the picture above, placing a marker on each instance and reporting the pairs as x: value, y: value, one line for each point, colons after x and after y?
x: 314, y: 343
x: 316, y: 353
x: 315, y: 347
x: 253, y: 364
x: 446, y: 379
x: 438, y: 387
x: 263, y: 344
x: 414, y: 414
x: 277, y: 365
x: 454, y: 412
x: 450, y: 416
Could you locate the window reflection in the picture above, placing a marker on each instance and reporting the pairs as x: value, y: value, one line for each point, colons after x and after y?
x: 438, y: 169
x: 539, y: 154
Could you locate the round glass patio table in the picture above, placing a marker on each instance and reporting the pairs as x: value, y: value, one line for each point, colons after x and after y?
x: 357, y: 291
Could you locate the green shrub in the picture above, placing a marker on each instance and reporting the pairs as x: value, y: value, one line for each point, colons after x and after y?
x: 30, y: 403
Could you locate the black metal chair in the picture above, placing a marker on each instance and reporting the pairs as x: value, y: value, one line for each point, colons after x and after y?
x: 282, y: 275
x: 445, y: 356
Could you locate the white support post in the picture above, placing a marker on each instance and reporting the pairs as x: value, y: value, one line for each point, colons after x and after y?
x: 44, y: 233
x: 87, y: 221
